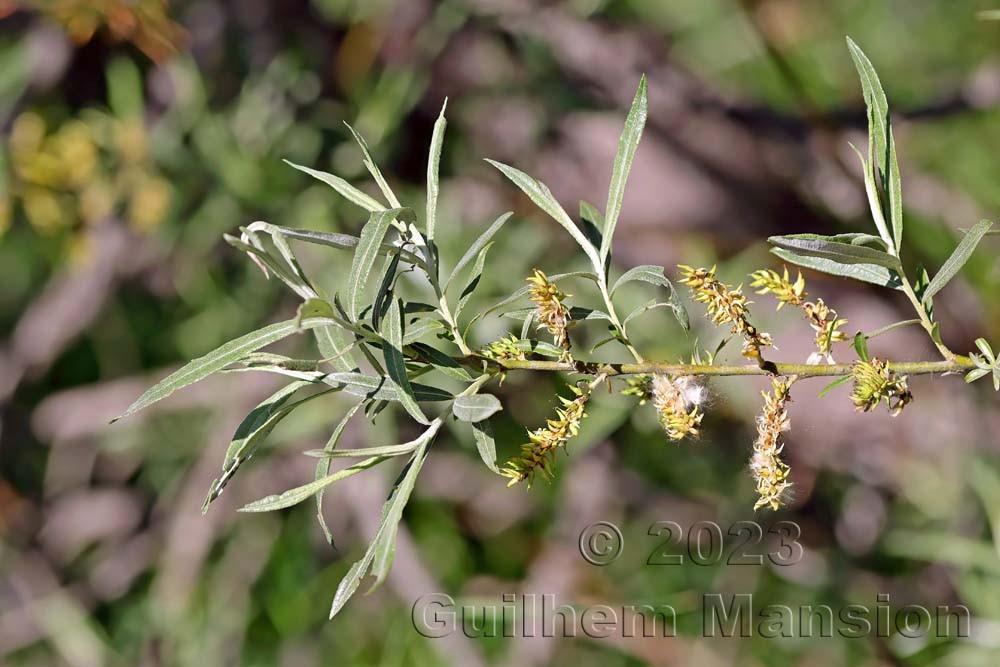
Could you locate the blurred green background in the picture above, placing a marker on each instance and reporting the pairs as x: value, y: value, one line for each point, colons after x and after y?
x: 136, y: 133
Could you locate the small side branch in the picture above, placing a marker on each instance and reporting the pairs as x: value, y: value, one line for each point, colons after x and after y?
x: 957, y: 365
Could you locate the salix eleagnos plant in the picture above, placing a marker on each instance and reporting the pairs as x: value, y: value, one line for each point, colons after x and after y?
x: 381, y: 348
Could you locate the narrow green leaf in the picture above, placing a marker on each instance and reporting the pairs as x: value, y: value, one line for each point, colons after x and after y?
x: 984, y: 347
x: 433, y: 166
x: 871, y: 190
x: 421, y: 328
x: 833, y: 385
x: 976, y: 373
x: 323, y: 469
x: 652, y: 304
x: 335, y: 348
x: 256, y: 426
x: 869, y: 273
x: 384, y: 544
x: 861, y: 346
x: 649, y: 273
x: 656, y: 275
x: 476, y: 407
x: 381, y: 388
x: 890, y: 327
x: 543, y: 198
x: 383, y: 450
x: 306, y: 491
x: 364, y: 256
x: 627, y: 145
x: 958, y: 258
x: 269, y: 265
x: 482, y: 431
x: 345, y: 242
x: 842, y: 253
x: 383, y: 296
x: 474, y: 249
x: 348, y: 191
x: 442, y: 362
x: 382, y: 547
x: 474, y: 278
x: 218, y: 359
x: 894, y: 186
x: 593, y: 226
x: 875, y: 100
x: 395, y: 365
x: 373, y: 169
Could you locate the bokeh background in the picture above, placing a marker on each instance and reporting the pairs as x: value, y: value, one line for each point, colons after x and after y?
x: 136, y: 133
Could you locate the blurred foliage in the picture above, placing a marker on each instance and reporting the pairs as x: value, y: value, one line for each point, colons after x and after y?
x: 166, y: 124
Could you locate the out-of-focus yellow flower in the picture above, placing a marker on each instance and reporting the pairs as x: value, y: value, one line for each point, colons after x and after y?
x: 130, y: 139
x: 74, y: 144
x: 149, y: 204
x: 88, y: 169
x: 96, y: 201
x: 43, y: 210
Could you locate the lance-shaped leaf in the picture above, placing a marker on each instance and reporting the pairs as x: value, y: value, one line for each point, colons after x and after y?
x: 433, y: 166
x: 366, y: 252
x: 869, y: 273
x: 593, y: 225
x: 871, y: 190
x: 270, y: 265
x: 958, y: 258
x: 813, y: 245
x: 348, y: 191
x: 381, y: 388
x: 395, y: 365
x: 474, y: 277
x: 382, y: 450
x: 475, y: 407
x: 482, y: 431
x: 323, y: 469
x: 252, y: 432
x: 539, y: 193
x: 880, y: 134
x: 219, y: 358
x: 379, y: 555
x: 442, y: 362
x: 474, y: 249
x: 655, y: 275
x: 373, y: 169
x: 306, y: 491
x: 345, y: 242
x: 627, y: 145
x: 421, y: 328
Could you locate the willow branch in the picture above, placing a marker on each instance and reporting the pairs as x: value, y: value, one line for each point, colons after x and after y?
x: 956, y: 365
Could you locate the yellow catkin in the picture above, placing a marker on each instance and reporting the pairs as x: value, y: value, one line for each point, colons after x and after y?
x: 550, y: 311
x: 726, y: 305
x: 823, y: 319
x: 875, y: 382
x: 678, y: 405
x: 770, y: 473
x: 538, y: 453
